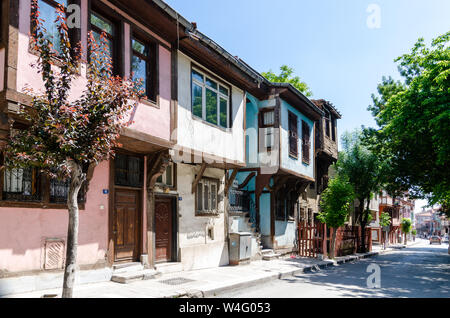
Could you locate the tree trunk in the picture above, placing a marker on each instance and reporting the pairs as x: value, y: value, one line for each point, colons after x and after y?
x: 333, y: 243
x: 363, y: 227
x: 72, y: 233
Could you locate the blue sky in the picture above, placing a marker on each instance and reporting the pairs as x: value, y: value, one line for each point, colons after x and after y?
x: 327, y: 42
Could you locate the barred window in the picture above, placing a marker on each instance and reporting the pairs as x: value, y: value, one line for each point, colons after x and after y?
x: 207, y: 196
x: 22, y: 185
x: 59, y: 191
x: 128, y: 171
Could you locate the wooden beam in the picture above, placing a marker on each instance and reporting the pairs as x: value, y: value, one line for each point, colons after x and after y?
x: 247, y: 180
x: 198, y: 177
x: 156, y: 167
x: 229, y: 181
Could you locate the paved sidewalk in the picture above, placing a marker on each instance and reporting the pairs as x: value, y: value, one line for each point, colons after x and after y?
x: 201, y: 283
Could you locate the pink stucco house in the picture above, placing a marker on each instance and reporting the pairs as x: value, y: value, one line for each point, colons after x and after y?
x: 143, y: 207
x: 116, y: 205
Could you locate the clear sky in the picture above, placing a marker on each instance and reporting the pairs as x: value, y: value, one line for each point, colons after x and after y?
x: 328, y: 42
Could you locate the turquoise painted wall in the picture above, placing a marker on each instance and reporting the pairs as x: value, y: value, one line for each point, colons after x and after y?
x: 287, y: 162
x: 264, y: 208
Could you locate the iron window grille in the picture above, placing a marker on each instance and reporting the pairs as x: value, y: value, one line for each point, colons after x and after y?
x: 128, y: 171
x: 22, y: 185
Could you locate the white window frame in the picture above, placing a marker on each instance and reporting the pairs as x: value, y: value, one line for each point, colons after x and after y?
x: 220, y: 95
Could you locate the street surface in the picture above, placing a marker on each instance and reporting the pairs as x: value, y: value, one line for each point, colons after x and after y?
x: 422, y: 270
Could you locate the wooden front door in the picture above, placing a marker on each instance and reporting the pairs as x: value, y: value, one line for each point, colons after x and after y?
x: 163, y: 230
x: 126, y: 225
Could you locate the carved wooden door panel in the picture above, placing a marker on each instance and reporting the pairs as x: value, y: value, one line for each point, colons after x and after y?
x: 163, y: 230
x: 126, y: 225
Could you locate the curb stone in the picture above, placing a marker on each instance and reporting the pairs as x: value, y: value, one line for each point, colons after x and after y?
x: 206, y: 293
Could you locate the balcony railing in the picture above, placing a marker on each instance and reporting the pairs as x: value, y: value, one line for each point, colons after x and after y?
x: 239, y: 201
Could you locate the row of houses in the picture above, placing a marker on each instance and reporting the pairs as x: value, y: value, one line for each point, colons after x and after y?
x: 431, y: 222
x: 398, y: 208
x: 214, y: 149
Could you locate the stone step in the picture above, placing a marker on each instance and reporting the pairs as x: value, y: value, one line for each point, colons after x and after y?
x: 165, y: 268
x: 268, y: 257
x: 266, y: 251
x: 128, y: 277
x: 127, y: 267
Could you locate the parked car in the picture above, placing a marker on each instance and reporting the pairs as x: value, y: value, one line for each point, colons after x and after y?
x: 445, y: 240
x: 435, y: 239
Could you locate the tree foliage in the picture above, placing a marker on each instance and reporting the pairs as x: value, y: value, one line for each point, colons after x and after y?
x: 385, y: 219
x: 364, y: 171
x: 61, y: 131
x: 286, y: 76
x: 414, y: 123
x: 406, y: 225
x: 335, y: 202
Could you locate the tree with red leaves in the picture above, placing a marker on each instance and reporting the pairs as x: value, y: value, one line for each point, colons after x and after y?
x: 65, y: 138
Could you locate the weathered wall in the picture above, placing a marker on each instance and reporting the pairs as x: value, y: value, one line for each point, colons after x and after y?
x: 23, y: 231
x: 284, y: 234
x: 197, y: 249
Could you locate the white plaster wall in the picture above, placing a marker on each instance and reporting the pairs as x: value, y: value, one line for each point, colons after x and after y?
x: 198, y: 135
x: 197, y: 250
x: 285, y: 233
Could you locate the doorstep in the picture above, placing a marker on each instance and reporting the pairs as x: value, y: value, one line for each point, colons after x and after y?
x: 170, y: 267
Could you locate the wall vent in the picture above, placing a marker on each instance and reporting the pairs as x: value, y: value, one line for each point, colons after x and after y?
x: 54, y: 254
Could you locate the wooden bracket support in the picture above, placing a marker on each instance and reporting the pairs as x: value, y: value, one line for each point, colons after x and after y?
x: 229, y: 181
x: 198, y: 177
x: 247, y: 180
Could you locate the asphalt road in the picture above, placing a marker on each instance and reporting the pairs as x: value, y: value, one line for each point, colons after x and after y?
x: 421, y: 270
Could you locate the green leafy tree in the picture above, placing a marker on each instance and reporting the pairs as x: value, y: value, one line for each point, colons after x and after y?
x: 414, y: 123
x: 406, y: 227
x: 335, y: 204
x: 286, y: 76
x: 364, y: 171
x: 65, y: 138
x: 385, y: 219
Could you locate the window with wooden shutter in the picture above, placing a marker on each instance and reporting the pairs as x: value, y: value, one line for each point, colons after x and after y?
x: 293, y: 135
x: 306, y: 142
x: 267, y: 122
